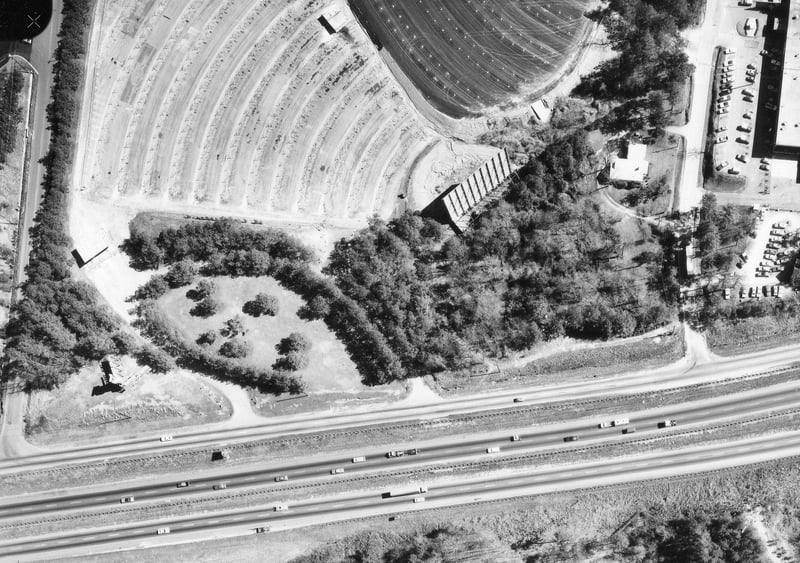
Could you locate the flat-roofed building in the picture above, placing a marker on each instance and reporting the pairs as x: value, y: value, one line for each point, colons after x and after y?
x: 633, y: 168
x: 787, y: 138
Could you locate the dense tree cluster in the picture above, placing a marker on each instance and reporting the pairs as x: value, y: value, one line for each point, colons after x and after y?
x: 236, y: 348
x: 10, y: 111
x: 722, y: 232
x: 227, y: 248
x: 723, y: 538
x: 651, y: 68
x: 59, y: 325
x: 537, y: 265
x: 293, y: 352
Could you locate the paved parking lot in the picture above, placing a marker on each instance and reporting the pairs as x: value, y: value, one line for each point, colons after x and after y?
x: 767, y: 250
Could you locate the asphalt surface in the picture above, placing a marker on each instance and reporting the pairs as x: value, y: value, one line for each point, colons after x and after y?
x: 543, y: 480
x: 636, y: 382
x: 645, y: 423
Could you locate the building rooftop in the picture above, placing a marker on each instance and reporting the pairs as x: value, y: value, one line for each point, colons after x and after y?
x: 631, y: 169
x: 789, y: 110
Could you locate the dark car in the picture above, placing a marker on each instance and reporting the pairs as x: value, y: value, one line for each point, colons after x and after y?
x: 571, y: 439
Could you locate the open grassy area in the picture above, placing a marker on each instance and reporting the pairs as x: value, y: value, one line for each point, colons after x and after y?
x: 329, y: 369
x: 728, y: 338
x: 152, y: 403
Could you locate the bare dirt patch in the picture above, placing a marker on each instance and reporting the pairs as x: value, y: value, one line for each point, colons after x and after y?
x: 150, y: 404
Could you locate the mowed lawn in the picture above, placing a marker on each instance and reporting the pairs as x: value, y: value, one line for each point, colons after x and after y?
x: 330, y: 368
x: 464, y: 55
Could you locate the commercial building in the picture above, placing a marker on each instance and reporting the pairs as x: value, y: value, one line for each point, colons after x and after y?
x: 633, y: 168
x: 787, y: 138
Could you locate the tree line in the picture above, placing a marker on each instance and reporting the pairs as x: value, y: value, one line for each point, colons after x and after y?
x: 10, y: 111
x: 226, y: 248
x: 59, y: 324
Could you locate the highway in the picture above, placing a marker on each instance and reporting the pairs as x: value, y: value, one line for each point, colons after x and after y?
x: 533, y: 481
x: 625, y: 384
x: 532, y: 441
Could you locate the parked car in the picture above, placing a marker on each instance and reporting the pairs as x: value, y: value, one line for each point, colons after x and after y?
x: 721, y: 128
x: 776, y: 225
x: 746, y: 127
x: 745, y: 140
x: 748, y: 114
x: 721, y: 139
x: 741, y: 157
x: 750, y: 79
x: 723, y: 104
x: 748, y: 99
x: 722, y: 111
x: 764, y: 167
x: 733, y: 170
x: 724, y: 98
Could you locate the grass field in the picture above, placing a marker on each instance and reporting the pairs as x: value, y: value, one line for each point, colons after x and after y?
x: 329, y: 369
x: 464, y: 55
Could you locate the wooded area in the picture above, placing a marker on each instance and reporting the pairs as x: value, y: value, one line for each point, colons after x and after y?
x: 10, y: 112
x: 58, y: 326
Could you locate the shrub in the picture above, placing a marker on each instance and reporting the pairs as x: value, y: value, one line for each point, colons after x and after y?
x: 234, y: 327
x: 154, y: 358
x: 204, y: 288
x: 293, y: 361
x: 262, y: 304
x: 154, y: 288
x: 317, y: 308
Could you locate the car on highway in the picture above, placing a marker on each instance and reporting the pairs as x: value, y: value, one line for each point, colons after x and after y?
x: 123, y: 500
x: 280, y: 507
x: 183, y: 484
x: 606, y: 424
x: 515, y: 438
x: 630, y: 430
x: 166, y: 438
x: 419, y: 499
x: 280, y: 478
x: 162, y: 531
x: 261, y: 530
x: 518, y: 399
x: 570, y: 438
x: 337, y: 471
x: 220, y: 486
x: 492, y: 450
x: 395, y: 453
x: 412, y: 451
x: 668, y: 423
x: 359, y: 459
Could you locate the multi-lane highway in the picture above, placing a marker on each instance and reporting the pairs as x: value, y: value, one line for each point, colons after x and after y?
x: 637, y: 382
x: 690, y: 416
x: 452, y: 492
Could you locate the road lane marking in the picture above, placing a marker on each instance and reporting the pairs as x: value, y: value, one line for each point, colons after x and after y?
x: 75, y: 502
x: 51, y: 505
x: 115, y: 534
x: 249, y: 479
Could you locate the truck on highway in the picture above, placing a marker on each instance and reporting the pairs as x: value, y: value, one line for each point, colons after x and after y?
x: 393, y: 494
x: 667, y: 423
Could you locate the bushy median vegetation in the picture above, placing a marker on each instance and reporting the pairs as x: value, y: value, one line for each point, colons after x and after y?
x: 59, y: 325
x: 10, y: 112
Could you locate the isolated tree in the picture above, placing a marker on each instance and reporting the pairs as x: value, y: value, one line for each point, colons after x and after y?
x: 205, y: 308
x: 181, y: 273
x: 236, y: 348
x: 295, y: 342
x: 262, y: 304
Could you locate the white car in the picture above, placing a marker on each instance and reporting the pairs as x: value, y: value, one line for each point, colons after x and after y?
x: 162, y: 531
x: 280, y: 507
x: 419, y: 499
x: 166, y: 438
x: 748, y: 115
x: 337, y: 471
x: 724, y: 98
x: 720, y: 166
x: 722, y: 111
x: 124, y: 500
x: 359, y: 459
x: 741, y: 157
x: 721, y: 139
x: 723, y: 104
x: 734, y: 171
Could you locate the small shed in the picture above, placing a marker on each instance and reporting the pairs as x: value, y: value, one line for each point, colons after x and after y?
x: 333, y: 20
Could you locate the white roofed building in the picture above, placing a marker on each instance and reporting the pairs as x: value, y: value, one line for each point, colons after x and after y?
x: 633, y: 168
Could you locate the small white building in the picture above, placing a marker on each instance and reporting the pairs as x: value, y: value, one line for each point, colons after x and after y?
x: 634, y: 168
x: 333, y: 20
x: 541, y: 110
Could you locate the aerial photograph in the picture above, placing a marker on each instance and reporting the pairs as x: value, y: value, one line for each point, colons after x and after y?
x: 356, y: 281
